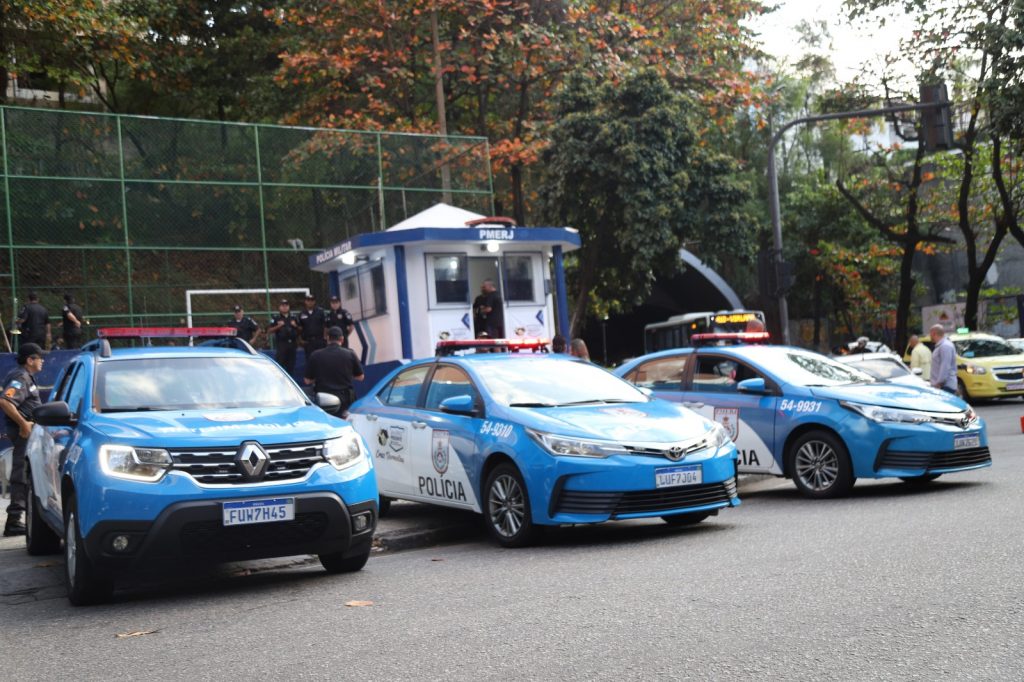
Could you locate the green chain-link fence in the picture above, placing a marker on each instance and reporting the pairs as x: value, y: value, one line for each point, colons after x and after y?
x: 128, y: 212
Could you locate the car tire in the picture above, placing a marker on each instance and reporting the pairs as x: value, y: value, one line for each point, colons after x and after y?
x: 820, y: 465
x: 40, y: 539
x: 86, y: 584
x: 339, y: 563
x: 919, y: 480
x: 506, y: 508
x: 383, y: 506
x: 690, y: 519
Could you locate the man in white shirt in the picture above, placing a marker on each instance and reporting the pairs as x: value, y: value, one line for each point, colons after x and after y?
x: 920, y: 357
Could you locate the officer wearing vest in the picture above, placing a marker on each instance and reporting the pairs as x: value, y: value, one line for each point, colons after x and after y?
x: 19, y: 400
x: 313, y: 321
x: 341, y: 318
x: 72, y: 319
x: 285, y: 328
x: 332, y: 370
x: 34, y: 322
x: 245, y: 327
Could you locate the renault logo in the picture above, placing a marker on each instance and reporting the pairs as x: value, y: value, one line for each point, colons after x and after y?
x: 252, y: 460
x: 675, y: 453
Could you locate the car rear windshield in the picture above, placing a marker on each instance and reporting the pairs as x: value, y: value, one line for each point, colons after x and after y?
x: 881, y: 368
x: 186, y: 383
x: 551, y: 382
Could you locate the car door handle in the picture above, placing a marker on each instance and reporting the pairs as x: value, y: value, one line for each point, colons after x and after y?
x: 371, y: 417
x: 692, y: 405
x: 419, y: 425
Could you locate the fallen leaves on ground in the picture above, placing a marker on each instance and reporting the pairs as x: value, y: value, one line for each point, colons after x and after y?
x: 358, y: 602
x: 136, y: 633
x: 47, y: 564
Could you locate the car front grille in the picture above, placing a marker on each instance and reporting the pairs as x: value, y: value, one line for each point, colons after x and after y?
x: 217, y: 466
x: 213, y: 538
x: 934, y: 460
x: 679, y: 451
x: 1009, y: 374
x: 644, y: 501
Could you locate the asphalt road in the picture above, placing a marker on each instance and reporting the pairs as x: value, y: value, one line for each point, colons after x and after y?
x: 890, y: 583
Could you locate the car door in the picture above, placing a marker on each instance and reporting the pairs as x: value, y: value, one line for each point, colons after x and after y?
x: 749, y: 418
x: 386, y: 424
x: 445, y: 449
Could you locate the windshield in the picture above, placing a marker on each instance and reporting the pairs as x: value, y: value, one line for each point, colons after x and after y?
x: 187, y: 383
x: 804, y: 368
x: 984, y: 348
x: 882, y: 369
x: 550, y: 382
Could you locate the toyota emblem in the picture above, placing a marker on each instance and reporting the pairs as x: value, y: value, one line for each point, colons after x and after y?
x: 675, y: 453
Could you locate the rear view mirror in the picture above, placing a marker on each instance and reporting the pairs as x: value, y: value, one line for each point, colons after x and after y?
x: 459, y: 404
x: 752, y: 386
x: 56, y: 413
x: 330, y: 404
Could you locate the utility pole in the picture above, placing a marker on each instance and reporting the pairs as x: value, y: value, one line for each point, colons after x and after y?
x: 937, y: 135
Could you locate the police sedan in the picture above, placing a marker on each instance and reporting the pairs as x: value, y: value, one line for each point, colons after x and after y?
x: 802, y: 415
x: 533, y: 440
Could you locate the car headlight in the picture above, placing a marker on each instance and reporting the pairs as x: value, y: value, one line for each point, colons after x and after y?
x: 888, y: 414
x: 569, y: 446
x: 345, y: 451
x: 971, y: 368
x: 135, y: 464
x: 718, y: 436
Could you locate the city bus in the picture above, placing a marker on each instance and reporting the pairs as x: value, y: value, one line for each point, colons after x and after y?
x: 675, y: 332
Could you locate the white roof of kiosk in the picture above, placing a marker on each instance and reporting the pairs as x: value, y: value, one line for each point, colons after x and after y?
x: 444, y: 223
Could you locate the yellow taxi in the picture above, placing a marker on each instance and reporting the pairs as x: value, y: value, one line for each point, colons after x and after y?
x: 987, y: 366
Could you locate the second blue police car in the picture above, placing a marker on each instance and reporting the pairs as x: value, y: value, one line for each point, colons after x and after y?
x: 532, y: 440
x: 802, y: 415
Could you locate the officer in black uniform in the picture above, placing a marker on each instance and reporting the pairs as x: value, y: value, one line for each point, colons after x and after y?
x: 245, y: 327
x: 285, y: 328
x: 332, y: 370
x: 72, y: 318
x: 34, y: 322
x: 488, y: 312
x: 341, y: 318
x: 313, y: 321
x: 19, y: 400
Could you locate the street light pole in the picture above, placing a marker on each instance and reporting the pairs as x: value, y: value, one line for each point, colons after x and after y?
x: 773, y: 189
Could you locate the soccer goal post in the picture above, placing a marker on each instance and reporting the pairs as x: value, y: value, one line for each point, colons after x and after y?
x: 234, y: 292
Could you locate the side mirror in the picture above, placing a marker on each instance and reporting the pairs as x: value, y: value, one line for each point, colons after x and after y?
x: 917, y: 370
x: 56, y: 413
x: 328, y: 403
x: 459, y: 404
x: 752, y: 386
x: 646, y: 391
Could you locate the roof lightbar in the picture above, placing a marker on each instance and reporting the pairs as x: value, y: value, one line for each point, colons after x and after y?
x: 727, y: 338
x: 163, y: 332
x: 451, y: 346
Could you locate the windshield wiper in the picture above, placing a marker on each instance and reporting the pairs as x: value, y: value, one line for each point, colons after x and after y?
x: 132, y: 409
x: 532, y: 405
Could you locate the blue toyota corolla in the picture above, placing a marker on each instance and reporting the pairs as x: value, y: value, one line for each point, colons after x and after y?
x: 537, y: 440
x: 799, y: 414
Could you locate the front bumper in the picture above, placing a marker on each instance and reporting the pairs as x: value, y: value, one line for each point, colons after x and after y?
x: 194, y: 531
x: 988, y: 385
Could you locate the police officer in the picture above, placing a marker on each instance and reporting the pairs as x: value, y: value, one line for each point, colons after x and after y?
x: 34, y: 322
x: 72, y: 319
x: 488, y: 312
x: 245, y: 327
x: 313, y: 321
x: 332, y: 370
x: 341, y: 318
x: 19, y: 400
x: 285, y: 328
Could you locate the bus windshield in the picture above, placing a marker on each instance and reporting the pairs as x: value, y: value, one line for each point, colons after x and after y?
x: 676, y: 331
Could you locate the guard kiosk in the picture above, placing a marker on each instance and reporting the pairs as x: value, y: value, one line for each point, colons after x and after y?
x: 414, y: 283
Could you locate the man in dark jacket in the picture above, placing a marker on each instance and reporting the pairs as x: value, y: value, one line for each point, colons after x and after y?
x: 332, y: 370
x: 72, y: 319
x: 18, y: 401
x: 34, y: 322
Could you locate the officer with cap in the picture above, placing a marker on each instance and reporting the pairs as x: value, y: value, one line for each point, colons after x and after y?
x: 285, y: 328
x: 341, y: 318
x: 313, y: 321
x: 332, y: 370
x: 245, y: 327
x: 19, y: 400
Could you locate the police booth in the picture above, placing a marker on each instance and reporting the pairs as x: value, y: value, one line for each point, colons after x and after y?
x: 413, y: 284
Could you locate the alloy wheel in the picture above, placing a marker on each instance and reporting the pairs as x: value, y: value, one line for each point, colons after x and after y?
x: 507, y: 505
x: 817, y: 465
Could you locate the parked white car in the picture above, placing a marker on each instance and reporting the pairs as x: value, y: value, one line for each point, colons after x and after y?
x: 884, y: 367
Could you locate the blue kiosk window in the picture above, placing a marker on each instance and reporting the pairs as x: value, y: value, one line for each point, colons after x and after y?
x: 451, y: 279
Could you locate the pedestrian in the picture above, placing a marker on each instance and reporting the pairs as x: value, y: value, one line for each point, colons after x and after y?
x: 558, y: 343
x: 489, y: 312
x: 285, y: 328
x: 19, y: 400
x: 72, y: 319
x: 861, y: 347
x: 943, y: 369
x: 245, y: 327
x: 920, y: 357
x: 578, y: 349
x: 34, y: 322
x: 313, y: 322
x: 339, y: 317
x: 333, y: 369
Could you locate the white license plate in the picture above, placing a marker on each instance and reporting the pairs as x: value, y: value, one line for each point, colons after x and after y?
x: 1015, y: 387
x: 670, y: 477
x: 966, y: 440
x: 244, y: 512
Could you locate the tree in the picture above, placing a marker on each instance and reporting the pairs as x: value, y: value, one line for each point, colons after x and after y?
x: 624, y: 166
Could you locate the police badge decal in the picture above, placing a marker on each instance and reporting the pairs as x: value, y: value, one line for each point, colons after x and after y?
x: 440, y: 441
x: 729, y: 418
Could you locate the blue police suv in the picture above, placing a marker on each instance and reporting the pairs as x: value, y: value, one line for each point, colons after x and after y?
x: 152, y: 454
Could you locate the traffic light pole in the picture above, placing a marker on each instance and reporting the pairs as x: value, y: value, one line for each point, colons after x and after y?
x: 773, y: 189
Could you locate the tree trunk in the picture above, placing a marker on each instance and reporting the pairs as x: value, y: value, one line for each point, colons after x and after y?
x: 905, y: 293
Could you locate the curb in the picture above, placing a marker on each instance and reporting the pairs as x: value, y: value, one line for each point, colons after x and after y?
x: 402, y: 540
